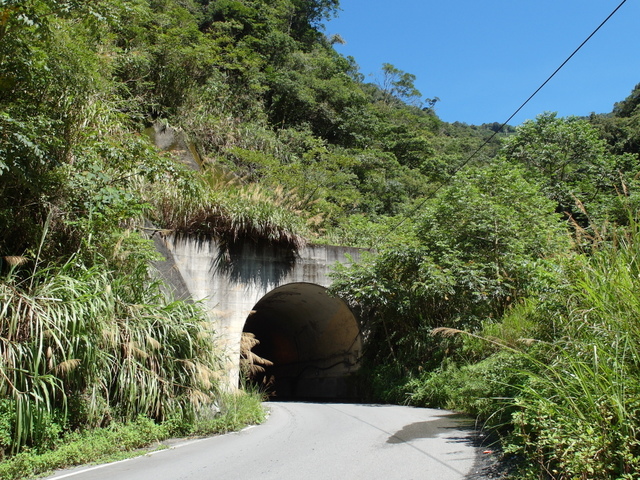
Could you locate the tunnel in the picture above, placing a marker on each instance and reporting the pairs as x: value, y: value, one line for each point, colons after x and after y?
x: 312, y: 341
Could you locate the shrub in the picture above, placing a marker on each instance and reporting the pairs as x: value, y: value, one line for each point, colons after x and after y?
x: 485, y: 390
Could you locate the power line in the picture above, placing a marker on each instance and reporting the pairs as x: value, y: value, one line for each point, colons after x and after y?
x: 463, y: 164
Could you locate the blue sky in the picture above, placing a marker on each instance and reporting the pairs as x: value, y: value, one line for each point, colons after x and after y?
x: 483, y: 59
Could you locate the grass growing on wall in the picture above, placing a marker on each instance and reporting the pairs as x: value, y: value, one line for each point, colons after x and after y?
x: 208, y: 204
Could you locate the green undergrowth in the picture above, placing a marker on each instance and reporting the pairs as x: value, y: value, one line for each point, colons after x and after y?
x: 557, y: 376
x: 126, y: 440
x: 236, y: 412
x: 484, y: 390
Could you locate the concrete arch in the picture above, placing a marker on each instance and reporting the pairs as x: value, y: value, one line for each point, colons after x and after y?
x: 313, y: 340
x: 232, y: 285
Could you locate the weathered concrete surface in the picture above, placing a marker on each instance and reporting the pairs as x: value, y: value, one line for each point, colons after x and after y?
x: 314, y: 338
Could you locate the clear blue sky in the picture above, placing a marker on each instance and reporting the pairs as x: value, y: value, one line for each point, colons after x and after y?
x: 483, y: 59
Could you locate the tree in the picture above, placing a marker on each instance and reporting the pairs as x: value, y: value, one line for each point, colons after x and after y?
x: 621, y: 128
x: 494, y: 218
x: 314, y: 88
x: 399, y: 85
x: 629, y: 106
x: 300, y: 19
x: 571, y: 160
x: 482, y: 244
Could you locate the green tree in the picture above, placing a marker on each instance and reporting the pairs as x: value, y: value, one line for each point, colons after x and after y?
x: 496, y: 219
x: 571, y: 160
x: 621, y: 128
x: 51, y: 86
x: 313, y: 88
x: 481, y: 245
x: 398, y: 85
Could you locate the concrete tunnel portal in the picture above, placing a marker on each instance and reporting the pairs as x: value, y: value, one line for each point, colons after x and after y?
x: 313, y: 340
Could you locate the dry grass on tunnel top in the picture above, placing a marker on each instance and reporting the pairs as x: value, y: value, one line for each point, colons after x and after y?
x: 208, y: 204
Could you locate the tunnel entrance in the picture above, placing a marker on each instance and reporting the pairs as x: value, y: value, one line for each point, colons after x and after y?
x: 313, y: 341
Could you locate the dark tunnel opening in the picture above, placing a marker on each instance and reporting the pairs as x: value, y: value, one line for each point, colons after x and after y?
x: 313, y: 341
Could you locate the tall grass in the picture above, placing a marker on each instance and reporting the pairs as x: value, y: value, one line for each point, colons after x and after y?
x: 81, y: 346
x: 580, y: 412
x: 562, y: 370
x: 209, y: 204
x: 125, y: 440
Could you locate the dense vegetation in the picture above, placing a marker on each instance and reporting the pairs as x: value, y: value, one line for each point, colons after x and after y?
x: 502, y: 282
x: 515, y: 299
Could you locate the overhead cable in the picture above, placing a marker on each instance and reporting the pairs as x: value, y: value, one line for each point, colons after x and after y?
x: 470, y: 157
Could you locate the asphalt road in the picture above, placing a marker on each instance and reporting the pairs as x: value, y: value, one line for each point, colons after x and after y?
x: 314, y: 441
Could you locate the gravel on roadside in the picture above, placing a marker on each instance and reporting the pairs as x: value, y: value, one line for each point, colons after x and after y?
x: 491, y: 463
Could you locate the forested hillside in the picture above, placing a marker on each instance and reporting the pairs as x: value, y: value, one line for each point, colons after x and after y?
x: 520, y: 256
